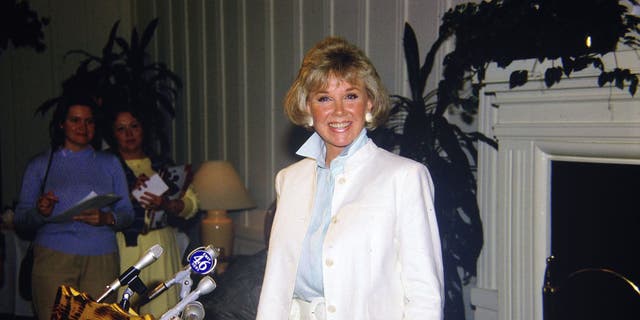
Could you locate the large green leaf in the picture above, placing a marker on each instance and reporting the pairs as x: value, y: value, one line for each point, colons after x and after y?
x: 124, y: 75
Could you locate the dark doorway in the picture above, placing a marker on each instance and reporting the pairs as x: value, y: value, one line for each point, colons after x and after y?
x: 595, y: 216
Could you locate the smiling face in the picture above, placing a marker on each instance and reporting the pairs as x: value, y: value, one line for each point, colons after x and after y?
x: 129, y: 134
x: 79, y: 127
x: 338, y: 113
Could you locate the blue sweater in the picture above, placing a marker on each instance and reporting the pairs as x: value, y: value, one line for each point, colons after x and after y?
x: 72, y: 176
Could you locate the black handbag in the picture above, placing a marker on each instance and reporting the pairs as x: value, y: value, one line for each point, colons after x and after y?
x: 24, y: 276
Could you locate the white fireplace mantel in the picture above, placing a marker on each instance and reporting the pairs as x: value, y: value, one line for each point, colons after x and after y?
x: 574, y: 120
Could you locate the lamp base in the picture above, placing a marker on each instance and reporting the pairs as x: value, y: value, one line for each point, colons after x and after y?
x: 217, y: 230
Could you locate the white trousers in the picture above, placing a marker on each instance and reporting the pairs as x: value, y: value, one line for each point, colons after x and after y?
x: 304, y: 310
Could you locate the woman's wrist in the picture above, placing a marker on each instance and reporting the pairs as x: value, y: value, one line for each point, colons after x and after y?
x: 107, y: 218
x: 174, y: 206
x: 44, y: 214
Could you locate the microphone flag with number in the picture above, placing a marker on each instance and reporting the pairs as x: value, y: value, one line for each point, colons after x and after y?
x: 202, y: 261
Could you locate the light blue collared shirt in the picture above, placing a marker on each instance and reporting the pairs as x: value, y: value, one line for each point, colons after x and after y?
x: 309, y: 281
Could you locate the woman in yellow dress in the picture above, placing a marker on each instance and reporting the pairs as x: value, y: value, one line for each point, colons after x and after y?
x: 153, y: 212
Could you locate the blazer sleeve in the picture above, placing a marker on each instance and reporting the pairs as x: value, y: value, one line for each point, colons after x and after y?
x: 419, y: 244
x: 273, y: 303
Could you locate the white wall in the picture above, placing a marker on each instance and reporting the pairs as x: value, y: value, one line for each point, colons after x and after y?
x: 237, y: 58
x: 28, y: 78
x: 575, y: 120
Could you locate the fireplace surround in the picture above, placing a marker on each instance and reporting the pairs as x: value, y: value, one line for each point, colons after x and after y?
x: 575, y: 120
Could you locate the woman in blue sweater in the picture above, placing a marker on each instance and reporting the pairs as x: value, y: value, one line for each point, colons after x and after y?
x: 81, y: 253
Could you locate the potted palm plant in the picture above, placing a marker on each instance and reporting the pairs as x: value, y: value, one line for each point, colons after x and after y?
x: 573, y: 35
x: 123, y: 74
x: 418, y: 129
x: 499, y: 31
x: 21, y: 26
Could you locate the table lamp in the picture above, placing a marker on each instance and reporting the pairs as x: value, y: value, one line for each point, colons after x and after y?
x: 219, y: 188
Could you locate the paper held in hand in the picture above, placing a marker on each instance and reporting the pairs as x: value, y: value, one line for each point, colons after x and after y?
x: 91, y: 201
x: 155, y: 185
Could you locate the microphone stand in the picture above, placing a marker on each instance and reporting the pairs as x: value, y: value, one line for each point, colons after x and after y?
x: 124, y: 303
x: 185, y: 285
x: 202, y: 260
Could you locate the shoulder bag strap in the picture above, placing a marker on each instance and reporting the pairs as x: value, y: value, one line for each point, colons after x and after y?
x: 46, y: 173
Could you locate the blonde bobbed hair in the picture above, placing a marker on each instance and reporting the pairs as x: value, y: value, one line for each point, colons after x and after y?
x: 335, y: 57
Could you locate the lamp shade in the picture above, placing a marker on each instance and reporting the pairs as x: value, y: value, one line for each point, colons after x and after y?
x: 219, y: 187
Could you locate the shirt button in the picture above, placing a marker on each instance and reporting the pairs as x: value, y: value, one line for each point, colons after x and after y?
x: 342, y: 180
x: 329, y: 262
x: 334, y: 220
x: 331, y: 308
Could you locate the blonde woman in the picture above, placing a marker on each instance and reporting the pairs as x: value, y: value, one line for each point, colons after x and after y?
x: 355, y: 233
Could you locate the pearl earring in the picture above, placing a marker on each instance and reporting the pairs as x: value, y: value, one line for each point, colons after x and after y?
x: 310, y: 122
x: 368, y: 117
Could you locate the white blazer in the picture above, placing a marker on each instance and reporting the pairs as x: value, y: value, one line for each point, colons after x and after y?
x: 381, y: 254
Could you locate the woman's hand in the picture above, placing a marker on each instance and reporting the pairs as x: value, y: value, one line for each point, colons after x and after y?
x: 46, y: 202
x: 151, y: 201
x: 173, y: 206
x: 148, y: 200
x: 141, y: 181
x: 95, y: 217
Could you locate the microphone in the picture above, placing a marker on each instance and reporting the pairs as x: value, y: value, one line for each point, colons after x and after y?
x: 130, y: 276
x: 205, y: 286
x: 193, y: 311
x: 202, y: 260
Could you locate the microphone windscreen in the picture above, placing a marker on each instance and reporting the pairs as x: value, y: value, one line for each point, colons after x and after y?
x: 151, y: 255
x: 193, y: 311
x: 205, y: 286
x: 156, y: 251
